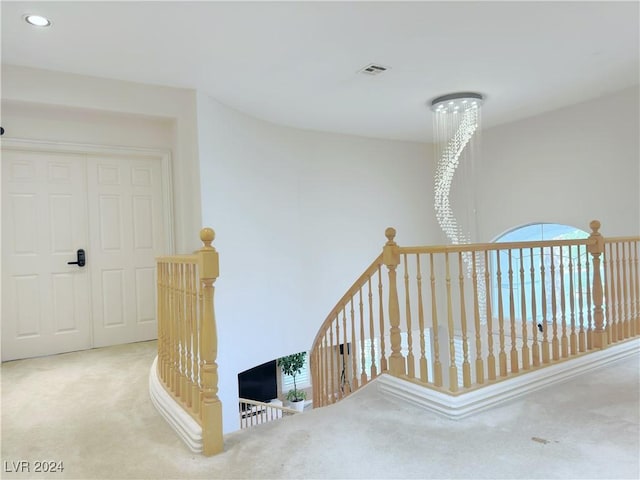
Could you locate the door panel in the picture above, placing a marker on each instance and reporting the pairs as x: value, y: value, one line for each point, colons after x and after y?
x: 52, y: 205
x: 127, y: 233
x: 45, y: 302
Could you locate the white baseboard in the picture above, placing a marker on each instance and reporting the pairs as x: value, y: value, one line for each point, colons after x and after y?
x: 184, y: 425
x: 465, y: 404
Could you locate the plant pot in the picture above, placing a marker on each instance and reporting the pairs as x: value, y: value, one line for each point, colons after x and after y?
x: 297, y: 405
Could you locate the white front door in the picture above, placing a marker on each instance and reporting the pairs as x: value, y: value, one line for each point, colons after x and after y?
x: 45, y: 301
x: 56, y: 203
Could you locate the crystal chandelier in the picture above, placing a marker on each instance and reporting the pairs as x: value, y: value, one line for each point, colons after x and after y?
x: 456, y: 128
x: 456, y: 138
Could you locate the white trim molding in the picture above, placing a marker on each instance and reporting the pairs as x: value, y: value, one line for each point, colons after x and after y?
x: 183, y: 424
x: 465, y: 404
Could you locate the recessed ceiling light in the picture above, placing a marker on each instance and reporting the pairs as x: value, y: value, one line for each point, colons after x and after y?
x: 37, y: 20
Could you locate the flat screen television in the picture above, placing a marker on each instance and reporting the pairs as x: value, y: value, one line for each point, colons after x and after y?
x: 259, y: 383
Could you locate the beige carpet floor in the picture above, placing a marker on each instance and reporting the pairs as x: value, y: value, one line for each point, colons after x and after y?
x: 91, y: 410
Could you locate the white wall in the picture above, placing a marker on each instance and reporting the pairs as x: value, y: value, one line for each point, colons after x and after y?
x: 299, y: 215
x: 76, y: 108
x: 568, y: 166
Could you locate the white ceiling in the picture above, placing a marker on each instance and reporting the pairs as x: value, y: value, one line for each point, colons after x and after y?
x: 296, y: 63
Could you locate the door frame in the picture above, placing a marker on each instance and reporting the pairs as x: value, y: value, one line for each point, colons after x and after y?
x: 163, y: 155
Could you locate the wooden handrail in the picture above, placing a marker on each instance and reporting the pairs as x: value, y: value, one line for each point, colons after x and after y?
x: 488, y: 247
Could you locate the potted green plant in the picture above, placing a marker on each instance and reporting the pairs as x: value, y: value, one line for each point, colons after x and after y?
x: 292, y: 365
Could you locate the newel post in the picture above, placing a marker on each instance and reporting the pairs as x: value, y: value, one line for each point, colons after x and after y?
x: 599, y: 334
x: 391, y: 258
x: 211, y: 407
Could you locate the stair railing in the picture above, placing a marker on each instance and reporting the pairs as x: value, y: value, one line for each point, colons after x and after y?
x: 457, y: 317
x: 253, y: 413
x: 187, y: 337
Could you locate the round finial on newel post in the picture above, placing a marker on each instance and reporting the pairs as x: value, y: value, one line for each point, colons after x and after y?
x: 207, y: 235
x: 390, y: 233
x: 594, y: 225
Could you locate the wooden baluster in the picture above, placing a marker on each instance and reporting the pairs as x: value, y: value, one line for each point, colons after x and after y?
x: 636, y: 277
x: 175, y: 386
x: 177, y: 327
x: 318, y: 374
x: 319, y: 380
x: 315, y: 371
x: 188, y: 337
x: 346, y: 353
x: 168, y: 331
x: 168, y: 338
x: 555, y: 342
x: 411, y: 365
x: 513, y: 354
x: 614, y: 336
x: 437, y: 364
x: 177, y: 330
x: 337, y: 371
x: 582, y: 340
x: 327, y: 375
x: 160, y: 316
x: 502, y: 356
x: 332, y: 347
x: 491, y: 359
x: 211, y: 407
x: 372, y: 333
x: 596, y: 249
x: 195, y: 388
x: 535, y: 347
x: 344, y: 373
x: 466, y: 366
x: 453, y: 369
x: 589, y: 306
x: 609, y: 292
x: 573, y: 339
x: 424, y: 377
x: 476, y: 321
x: 625, y: 294
x: 523, y: 309
x: 169, y: 379
x: 165, y: 326
x: 183, y: 335
x: 383, y: 358
x: 545, y: 338
x: 391, y: 258
x: 171, y: 325
x: 363, y: 373
x: 632, y: 292
x: 564, y: 342
x: 612, y: 305
x: 352, y: 352
x: 316, y: 384
x: 620, y: 323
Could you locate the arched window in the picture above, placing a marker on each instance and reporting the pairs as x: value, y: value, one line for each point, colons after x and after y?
x: 561, y: 267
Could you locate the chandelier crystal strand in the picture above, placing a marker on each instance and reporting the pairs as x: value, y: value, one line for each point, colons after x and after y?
x: 457, y: 128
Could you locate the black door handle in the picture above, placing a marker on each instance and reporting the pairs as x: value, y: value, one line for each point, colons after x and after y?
x: 81, y: 259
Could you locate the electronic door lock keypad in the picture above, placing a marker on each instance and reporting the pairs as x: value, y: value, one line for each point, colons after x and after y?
x: 80, y: 258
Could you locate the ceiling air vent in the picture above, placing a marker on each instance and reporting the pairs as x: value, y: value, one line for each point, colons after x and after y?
x: 373, y: 69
